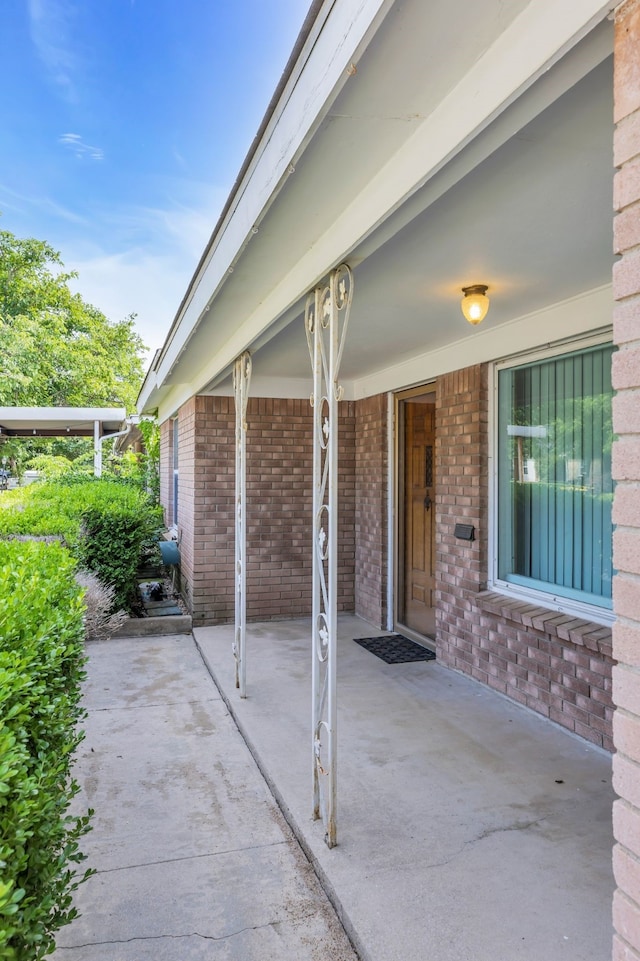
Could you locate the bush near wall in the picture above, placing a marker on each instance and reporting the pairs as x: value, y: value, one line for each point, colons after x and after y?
x: 41, y: 669
x: 111, y: 543
x: 106, y: 524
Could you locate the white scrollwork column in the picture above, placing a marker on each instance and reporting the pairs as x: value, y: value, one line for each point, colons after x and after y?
x: 241, y: 380
x: 326, y: 319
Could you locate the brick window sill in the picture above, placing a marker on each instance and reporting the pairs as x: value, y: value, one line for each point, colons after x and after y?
x: 576, y: 630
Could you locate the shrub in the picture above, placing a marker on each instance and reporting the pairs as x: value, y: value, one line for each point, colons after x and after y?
x: 41, y: 669
x: 28, y: 510
x: 111, y: 543
x: 101, y: 618
x: 107, y: 525
x: 51, y: 466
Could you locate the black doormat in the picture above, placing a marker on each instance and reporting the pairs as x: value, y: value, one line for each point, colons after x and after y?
x: 395, y: 649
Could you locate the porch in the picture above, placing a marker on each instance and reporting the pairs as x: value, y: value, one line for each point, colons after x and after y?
x: 468, y: 827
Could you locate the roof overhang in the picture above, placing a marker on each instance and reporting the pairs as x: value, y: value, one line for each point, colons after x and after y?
x: 61, y: 421
x: 429, y: 158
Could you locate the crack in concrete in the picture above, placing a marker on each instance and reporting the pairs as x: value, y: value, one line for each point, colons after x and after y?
x: 177, y: 937
x: 516, y: 826
x: 193, y: 857
x: 143, y: 707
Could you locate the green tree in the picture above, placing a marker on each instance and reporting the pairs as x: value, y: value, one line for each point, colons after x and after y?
x: 57, y: 350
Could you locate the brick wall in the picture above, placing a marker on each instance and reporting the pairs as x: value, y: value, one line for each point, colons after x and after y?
x: 461, y: 497
x: 166, y: 446
x: 279, y: 503
x: 279, y: 498
x: 206, y: 523
x: 371, y: 509
x: 554, y: 664
x: 626, y: 467
x: 462, y: 487
x: 186, y: 425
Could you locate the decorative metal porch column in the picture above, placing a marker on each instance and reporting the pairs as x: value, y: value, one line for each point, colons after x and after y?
x: 326, y: 320
x: 241, y: 380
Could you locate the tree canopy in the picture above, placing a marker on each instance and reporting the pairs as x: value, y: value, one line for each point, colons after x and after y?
x: 57, y: 350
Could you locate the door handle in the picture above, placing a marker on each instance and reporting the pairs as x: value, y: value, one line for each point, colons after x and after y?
x: 427, y: 502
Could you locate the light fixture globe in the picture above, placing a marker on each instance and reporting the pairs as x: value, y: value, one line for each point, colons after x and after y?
x: 475, y: 303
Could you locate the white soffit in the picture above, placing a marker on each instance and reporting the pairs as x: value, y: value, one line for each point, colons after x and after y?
x: 524, y: 50
x: 58, y: 421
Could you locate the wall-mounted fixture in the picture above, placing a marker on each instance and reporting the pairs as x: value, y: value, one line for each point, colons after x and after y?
x: 466, y: 532
x: 475, y: 303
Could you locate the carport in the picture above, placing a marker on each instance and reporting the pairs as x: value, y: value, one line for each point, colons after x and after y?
x: 101, y: 423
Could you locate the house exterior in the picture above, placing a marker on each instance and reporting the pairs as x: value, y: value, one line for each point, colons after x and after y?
x: 483, y: 481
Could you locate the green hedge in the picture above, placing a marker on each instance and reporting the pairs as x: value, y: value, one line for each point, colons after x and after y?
x: 112, y: 540
x: 106, y: 524
x: 41, y: 669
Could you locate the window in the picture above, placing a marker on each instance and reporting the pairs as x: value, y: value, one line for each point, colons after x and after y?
x: 174, y: 499
x: 554, y: 476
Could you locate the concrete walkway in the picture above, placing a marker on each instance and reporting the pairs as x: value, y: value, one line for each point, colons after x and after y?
x: 469, y: 829
x: 194, y: 859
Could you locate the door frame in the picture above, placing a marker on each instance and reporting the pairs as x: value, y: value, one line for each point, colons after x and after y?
x: 400, y: 398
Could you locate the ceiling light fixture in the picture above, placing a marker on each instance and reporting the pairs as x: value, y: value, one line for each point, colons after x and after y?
x: 475, y: 303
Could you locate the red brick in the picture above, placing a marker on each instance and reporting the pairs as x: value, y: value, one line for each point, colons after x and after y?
x: 278, y: 507
x: 559, y: 717
x: 626, y: 826
x: 626, y: 688
x: 626, y: 779
x: 625, y: 367
x: 626, y: 643
x: 626, y: 919
x: 626, y: 140
x: 626, y: 276
x: 626, y: 596
x: 626, y: 505
x: 626, y: 551
x: 626, y: 230
x: 626, y: 61
x: 626, y: 185
x: 622, y: 951
x: 589, y: 732
x: 626, y: 730
x: 626, y: 410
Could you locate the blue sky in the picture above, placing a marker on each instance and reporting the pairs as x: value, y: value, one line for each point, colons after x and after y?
x: 123, y: 124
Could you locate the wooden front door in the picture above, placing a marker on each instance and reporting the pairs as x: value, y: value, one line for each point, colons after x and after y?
x: 419, y: 515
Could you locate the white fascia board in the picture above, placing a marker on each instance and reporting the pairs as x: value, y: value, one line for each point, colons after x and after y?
x: 586, y: 313
x: 146, y: 395
x: 303, y: 106
x: 62, y: 415
x: 529, y: 46
x: 148, y: 398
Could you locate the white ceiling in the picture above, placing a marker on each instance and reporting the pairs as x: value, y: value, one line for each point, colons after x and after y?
x: 533, y: 221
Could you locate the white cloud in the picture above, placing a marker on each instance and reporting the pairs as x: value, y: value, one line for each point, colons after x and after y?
x: 28, y: 205
x: 81, y: 149
x: 50, y: 28
x: 148, y: 277
x: 181, y: 227
x: 138, y: 282
x: 129, y: 259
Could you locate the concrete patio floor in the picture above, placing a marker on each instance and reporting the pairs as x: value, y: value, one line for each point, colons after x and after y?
x: 468, y: 827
